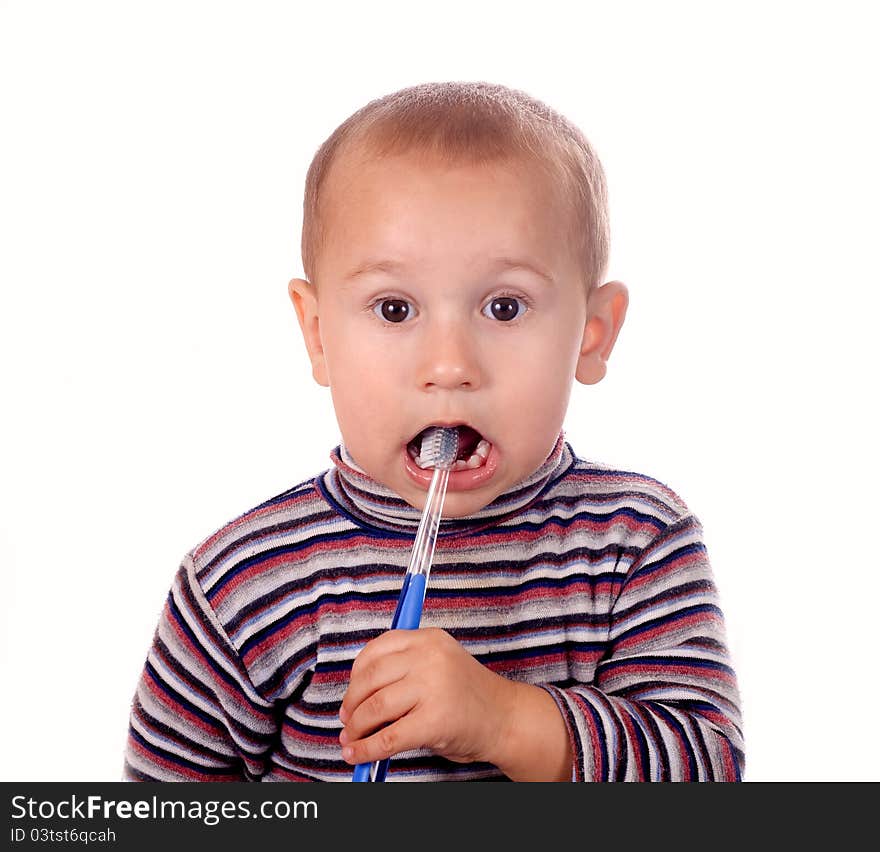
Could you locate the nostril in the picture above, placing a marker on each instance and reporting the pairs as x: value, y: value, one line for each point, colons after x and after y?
x: 449, y: 373
x: 433, y: 387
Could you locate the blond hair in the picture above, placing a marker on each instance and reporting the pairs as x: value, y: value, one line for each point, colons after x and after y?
x: 473, y: 123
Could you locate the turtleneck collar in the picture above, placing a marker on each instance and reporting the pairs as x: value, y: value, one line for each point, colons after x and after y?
x: 370, y: 504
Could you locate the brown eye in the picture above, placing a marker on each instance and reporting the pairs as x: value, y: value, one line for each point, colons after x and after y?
x: 392, y: 310
x: 504, y: 308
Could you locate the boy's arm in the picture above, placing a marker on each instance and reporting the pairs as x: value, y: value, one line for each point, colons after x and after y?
x: 664, y: 704
x: 195, y: 716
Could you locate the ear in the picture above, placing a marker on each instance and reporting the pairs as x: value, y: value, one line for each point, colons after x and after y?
x: 606, y: 310
x: 305, y: 301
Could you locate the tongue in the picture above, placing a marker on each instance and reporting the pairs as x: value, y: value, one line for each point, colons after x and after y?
x: 467, y: 441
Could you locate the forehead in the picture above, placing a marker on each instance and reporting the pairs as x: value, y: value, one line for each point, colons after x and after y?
x: 419, y: 208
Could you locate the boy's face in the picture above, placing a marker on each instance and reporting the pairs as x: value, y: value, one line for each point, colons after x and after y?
x: 447, y: 295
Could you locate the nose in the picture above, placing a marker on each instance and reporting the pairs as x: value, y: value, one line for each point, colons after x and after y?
x: 449, y: 359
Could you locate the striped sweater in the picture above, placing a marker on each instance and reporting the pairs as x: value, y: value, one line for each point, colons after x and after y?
x: 588, y: 581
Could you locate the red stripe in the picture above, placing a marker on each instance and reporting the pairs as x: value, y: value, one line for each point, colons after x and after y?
x: 671, y: 625
x: 502, y: 666
x: 330, y: 739
x: 632, y: 736
x: 705, y: 675
x: 322, y: 678
x: 655, y: 576
x: 727, y: 758
x: 289, y: 774
x: 682, y: 743
x: 600, y: 772
x: 511, y: 597
x: 550, y: 528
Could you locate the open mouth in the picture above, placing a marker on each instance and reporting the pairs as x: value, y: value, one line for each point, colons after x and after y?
x: 473, y: 449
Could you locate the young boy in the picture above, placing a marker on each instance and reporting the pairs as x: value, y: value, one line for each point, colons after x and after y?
x: 454, y: 243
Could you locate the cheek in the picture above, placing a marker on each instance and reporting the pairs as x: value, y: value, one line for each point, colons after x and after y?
x: 544, y: 407
x: 360, y: 397
x: 537, y: 397
x: 540, y: 383
x: 546, y: 366
x: 364, y: 389
x: 355, y: 362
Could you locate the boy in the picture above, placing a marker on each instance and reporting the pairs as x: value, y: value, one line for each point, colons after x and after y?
x: 454, y: 243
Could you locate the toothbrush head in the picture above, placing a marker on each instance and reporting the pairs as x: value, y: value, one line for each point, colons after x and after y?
x: 439, y: 447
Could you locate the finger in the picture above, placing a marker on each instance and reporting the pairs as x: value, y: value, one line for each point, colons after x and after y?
x: 401, y: 735
x: 389, y: 642
x: 382, y: 707
x: 376, y: 674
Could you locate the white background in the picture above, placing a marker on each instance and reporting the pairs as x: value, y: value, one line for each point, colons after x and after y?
x: 154, y: 384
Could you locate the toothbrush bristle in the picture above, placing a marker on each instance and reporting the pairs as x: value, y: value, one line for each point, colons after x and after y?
x: 439, y: 446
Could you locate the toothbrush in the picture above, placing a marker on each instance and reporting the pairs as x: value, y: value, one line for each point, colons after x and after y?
x: 439, y: 450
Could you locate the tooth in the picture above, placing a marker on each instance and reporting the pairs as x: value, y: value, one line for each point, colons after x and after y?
x: 460, y: 464
x: 474, y: 461
x: 482, y: 449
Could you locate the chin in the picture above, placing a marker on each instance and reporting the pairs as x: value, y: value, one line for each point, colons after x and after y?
x: 460, y: 504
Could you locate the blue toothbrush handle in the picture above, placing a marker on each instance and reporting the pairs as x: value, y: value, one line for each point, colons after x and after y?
x: 362, y: 772
x: 407, y: 617
x: 411, y: 610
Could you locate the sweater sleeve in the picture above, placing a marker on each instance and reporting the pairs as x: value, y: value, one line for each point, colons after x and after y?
x: 196, y: 716
x: 664, y: 704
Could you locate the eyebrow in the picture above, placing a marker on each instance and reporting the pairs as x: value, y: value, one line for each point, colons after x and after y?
x: 501, y: 264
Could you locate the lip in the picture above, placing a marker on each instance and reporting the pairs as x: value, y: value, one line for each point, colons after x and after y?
x: 459, y: 480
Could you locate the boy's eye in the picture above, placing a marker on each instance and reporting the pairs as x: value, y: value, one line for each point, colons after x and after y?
x: 504, y: 308
x: 392, y: 310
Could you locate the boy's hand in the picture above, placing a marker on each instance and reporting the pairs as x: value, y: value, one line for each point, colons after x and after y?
x: 420, y: 688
